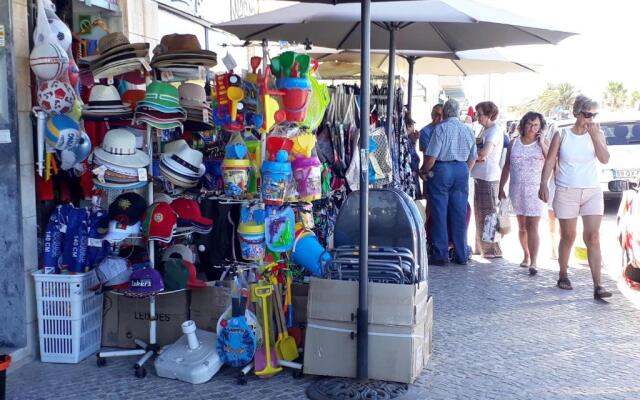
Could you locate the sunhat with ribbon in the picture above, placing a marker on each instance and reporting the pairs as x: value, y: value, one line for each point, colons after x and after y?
x: 193, y: 96
x: 184, y: 160
x: 119, y: 148
x: 105, y: 97
x: 117, y: 43
x: 176, y: 179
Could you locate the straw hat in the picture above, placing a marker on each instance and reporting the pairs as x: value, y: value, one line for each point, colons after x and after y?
x: 119, y: 148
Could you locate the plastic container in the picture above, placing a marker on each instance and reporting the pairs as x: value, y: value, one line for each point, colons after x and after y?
x: 276, y: 176
x: 69, y: 316
x: 295, y: 97
x: 235, y: 174
x: 252, y: 241
x: 307, y: 173
x: 309, y: 253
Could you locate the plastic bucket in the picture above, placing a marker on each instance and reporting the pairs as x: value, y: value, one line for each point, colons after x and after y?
x: 254, y: 173
x: 309, y: 253
x: 295, y: 97
x: 235, y: 175
x: 252, y: 241
x: 307, y: 173
x: 275, y: 179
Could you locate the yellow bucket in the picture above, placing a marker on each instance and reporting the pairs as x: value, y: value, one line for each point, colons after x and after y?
x: 580, y: 253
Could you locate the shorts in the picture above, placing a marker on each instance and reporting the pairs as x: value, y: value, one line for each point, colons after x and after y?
x: 570, y: 203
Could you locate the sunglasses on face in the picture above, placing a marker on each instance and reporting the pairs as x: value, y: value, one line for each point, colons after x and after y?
x: 588, y: 114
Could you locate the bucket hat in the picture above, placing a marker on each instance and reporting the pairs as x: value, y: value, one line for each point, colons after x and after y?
x: 193, y: 96
x: 119, y: 148
x: 145, y: 282
x: 163, y: 97
x: 113, y: 271
x: 159, y: 222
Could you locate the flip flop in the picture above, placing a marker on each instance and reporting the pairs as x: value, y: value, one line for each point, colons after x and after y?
x: 532, y: 271
x: 523, y: 265
x: 564, y: 284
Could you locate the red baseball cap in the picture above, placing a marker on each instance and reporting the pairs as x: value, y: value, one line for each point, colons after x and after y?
x: 193, y: 282
x: 189, y: 214
x: 159, y: 222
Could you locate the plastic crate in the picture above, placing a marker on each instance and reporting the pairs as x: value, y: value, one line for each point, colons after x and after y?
x: 69, y: 316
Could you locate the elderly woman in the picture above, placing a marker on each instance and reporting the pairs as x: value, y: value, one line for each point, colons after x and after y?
x: 449, y: 156
x: 486, y: 174
x: 523, y: 167
x: 577, y: 151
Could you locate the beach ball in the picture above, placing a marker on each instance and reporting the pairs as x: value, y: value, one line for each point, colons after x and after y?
x: 56, y: 97
x: 61, y: 33
x: 62, y: 132
x: 49, y: 61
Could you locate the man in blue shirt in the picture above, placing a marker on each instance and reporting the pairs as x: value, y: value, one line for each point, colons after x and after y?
x: 425, y: 136
x: 449, y: 156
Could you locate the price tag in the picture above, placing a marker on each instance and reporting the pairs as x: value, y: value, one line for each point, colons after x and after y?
x: 93, y: 242
x: 63, y: 228
x: 145, y: 64
x: 205, y: 115
x: 110, y: 80
x: 99, y: 172
x: 202, y: 73
x: 166, y: 75
x: 142, y: 174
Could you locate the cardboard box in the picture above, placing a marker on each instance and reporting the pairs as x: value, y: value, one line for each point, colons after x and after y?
x: 299, y: 299
x: 125, y: 319
x: 389, y: 304
x: 397, y: 353
x: 208, y: 304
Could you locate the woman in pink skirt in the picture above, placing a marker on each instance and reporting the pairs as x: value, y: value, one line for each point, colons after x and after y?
x: 524, y: 162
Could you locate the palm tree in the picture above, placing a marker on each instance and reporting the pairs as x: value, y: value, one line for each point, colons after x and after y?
x: 615, y: 96
x: 556, y: 100
x: 634, y: 99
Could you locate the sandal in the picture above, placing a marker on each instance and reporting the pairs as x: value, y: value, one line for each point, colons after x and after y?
x: 600, y: 293
x: 532, y: 270
x: 565, y: 284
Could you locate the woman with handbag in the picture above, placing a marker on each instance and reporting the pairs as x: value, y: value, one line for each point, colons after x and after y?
x: 486, y: 174
x: 578, y: 150
x: 523, y: 168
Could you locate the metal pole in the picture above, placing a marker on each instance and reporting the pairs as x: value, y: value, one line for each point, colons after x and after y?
x: 363, y: 308
x: 391, y: 80
x: 412, y: 61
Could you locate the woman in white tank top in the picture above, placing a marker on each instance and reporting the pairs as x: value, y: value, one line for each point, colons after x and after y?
x: 577, y: 151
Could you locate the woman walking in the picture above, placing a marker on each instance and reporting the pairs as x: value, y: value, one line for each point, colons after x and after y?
x: 486, y: 174
x: 578, y: 193
x: 525, y: 159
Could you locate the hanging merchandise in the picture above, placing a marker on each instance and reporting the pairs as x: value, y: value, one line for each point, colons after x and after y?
x: 180, y: 57
x: 307, y: 175
x: 49, y: 61
x: 62, y: 132
x: 276, y: 176
x: 117, y: 164
x: 159, y: 222
x: 193, y: 100
x: 127, y: 209
x: 105, y: 104
x: 56, y: 97
x: 161, y: 107
x: 189, y: 216
x: 235, y: 167
x: 318, y: 101
x: 144, y: 282
x: 236, y: 341
x: 309, y: 253
x: 280, y: 229
x: 117, y: 56
x: 251, y: 232
x: 182, y: 165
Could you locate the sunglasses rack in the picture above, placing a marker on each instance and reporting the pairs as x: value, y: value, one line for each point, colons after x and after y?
x: 146, y: 350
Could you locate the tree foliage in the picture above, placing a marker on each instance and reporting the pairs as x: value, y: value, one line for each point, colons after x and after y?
x: 615, y: 96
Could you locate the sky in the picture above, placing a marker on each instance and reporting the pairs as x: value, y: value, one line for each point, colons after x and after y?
x: 605, y: 50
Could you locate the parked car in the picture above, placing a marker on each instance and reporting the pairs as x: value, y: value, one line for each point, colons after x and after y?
x: 623, y: 140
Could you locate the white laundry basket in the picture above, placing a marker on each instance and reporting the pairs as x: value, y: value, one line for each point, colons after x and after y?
x: 69, y: 316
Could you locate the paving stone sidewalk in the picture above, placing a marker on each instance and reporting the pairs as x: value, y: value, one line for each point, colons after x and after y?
x: 498, y: 334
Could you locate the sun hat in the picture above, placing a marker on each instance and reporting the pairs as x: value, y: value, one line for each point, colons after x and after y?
x: 189, y: 214
x: 127, y: 208
x: 132, y: 97
x: 115, y: 186
x: 178, y: 180
x: 119, y: 232
x: 159, y: 222
x: 145, y: 282
x: 130, y: 67
x: 105, y: 97
x: 193, y: 96
x: 119, y: 148
x: 185, y: 48
x: 183, y: 160
x: 162, y: 96
x: 117, y: 42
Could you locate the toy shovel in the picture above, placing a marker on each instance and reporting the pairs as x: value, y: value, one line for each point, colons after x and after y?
x: 267, y: 365
x: 275, y: 66
x: 303, y: 61
x: 236, y: 95
x: 286, y: 345
x: 286, y: 62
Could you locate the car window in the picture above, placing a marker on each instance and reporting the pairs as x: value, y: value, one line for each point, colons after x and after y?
x: 622, y: 133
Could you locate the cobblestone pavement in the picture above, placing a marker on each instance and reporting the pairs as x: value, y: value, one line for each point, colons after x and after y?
x: 498, y: 334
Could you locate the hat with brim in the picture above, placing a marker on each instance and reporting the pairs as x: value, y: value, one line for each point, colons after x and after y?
x: 120, y: 56
x: 185, y: 161
x: 187, y: 58
x: 176, y: 180
x: 158, y: 124
x: 144, y: 282
x: 118, y: 68
x: 181, y: 44
x: 119, y: 148
x: 113, y: 186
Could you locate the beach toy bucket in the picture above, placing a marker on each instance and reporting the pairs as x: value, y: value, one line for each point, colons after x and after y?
x: 309, y: 253
x: 254, y: 173
x: 276, y: 176
x: 295, y: 97
x: 307, y: 173
x: 580, y: 253
x: 252, y: 241
x: 235, y: 174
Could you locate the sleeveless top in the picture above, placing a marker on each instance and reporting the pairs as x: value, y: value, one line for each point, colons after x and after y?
x: 577, y: 162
